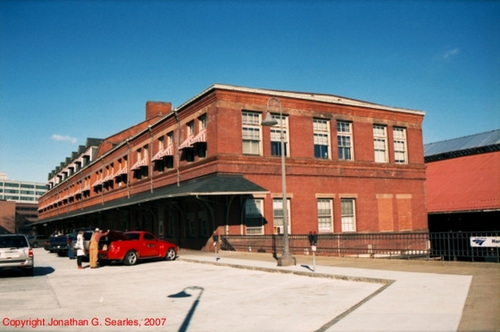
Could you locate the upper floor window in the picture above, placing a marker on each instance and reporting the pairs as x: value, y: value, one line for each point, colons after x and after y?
x: 399, y: 137
x: 190, y: 128
x: 170, y: 138
x: 202, y: 122
x: 380, y: 143
x: 161, y: 143
x: 321, y: 138
x: 276, y: 131
x: 251, y: 132
x: 344, y: 140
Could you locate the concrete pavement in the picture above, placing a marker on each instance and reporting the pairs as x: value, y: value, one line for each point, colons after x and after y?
x: 248, y: 292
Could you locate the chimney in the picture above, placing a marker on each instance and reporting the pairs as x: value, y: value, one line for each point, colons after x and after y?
x: 157, y: 108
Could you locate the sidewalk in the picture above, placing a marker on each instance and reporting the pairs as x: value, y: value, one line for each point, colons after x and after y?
x: 414, y: 295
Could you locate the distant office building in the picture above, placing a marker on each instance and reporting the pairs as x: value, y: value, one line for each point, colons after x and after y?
x: 21, y: 191
x: 210, y: 165
x: 18, y: 203
x: 463, y: 183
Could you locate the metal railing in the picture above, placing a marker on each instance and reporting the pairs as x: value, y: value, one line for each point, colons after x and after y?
x: 408, y: 245
x: 457, y: 246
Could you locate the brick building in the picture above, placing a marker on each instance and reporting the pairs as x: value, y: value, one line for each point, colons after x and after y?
x: 209, y: 164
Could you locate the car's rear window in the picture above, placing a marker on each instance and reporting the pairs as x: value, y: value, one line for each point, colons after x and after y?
x: 132, y: 236
x: 13, y: 242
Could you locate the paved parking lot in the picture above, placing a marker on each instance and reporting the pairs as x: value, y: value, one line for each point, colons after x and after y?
x: 199, y: 293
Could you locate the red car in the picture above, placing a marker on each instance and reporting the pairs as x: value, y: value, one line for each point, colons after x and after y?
x: 130, y: 247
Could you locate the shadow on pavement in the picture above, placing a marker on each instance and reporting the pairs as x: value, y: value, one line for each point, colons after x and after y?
x: 19, y: 272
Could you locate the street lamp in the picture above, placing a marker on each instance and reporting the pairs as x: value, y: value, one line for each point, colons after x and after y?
x: 286, y: 259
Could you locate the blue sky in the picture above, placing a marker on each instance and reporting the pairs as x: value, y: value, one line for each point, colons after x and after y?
x: 76, y: 69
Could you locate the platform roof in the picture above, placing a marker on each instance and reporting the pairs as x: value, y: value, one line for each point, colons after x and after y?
x: 462, y: 146
x: 464, y: 184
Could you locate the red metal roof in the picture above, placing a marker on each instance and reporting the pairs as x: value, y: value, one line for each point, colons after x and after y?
x: 464, y: 184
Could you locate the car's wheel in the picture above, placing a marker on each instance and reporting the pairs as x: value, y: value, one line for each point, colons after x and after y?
x: 35, y: 245
x: 130, y: 258
x: 170, y: 255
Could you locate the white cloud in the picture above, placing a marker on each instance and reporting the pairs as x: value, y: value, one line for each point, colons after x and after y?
x: 451, y: 53
x: 57, y: 137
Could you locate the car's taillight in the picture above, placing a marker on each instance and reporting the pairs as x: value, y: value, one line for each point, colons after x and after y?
x: 30, y: 253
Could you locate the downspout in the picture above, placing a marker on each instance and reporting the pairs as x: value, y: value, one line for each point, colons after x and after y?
x: 151, y: 157
x: 177, y: 145
x: 128, y: 168
x: 102, y: 184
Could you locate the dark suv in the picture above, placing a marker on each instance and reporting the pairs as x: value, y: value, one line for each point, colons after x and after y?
x: 16, y: 252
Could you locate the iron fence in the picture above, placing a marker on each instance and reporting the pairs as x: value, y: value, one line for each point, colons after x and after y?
x: 411, y: 245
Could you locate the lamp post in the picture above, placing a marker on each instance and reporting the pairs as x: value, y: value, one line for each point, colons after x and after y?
x: 286, y: 259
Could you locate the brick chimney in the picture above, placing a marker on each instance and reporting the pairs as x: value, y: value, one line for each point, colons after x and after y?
x: 157, y: 108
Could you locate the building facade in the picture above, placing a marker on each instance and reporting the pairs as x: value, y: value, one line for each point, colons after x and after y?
x: 209, y: 165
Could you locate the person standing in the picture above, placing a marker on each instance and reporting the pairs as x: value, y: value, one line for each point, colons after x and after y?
x: 94, y: 246
x: 80, y: 249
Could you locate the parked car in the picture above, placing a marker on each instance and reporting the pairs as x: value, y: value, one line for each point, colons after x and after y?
x: 60, y: 244
x: 16, y: 252
x: 37, y: 240
x: 130, y: 247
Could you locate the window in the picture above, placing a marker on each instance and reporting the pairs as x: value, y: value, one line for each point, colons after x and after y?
x: 251, y: 132
x: 400, y: 155
x: 201, y: 146
x: 254, y: 219
x: 204, y: 224
x: 380, y: 143
x: 190, y: 128
x: 325, y: 217
x: 278, y: 215
x: 321, y: 138
x: 161, y: 143
x: 276, y: 135
x: 348, y: 215
x: 170, y: 138
x: 191, y: 224
x: 344, y: 140
x: 202, y: 122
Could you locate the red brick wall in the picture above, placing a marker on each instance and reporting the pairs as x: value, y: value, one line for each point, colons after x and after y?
x: 389, y: 197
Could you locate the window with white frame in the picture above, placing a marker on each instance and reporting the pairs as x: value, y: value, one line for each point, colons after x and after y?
x: 380, y: 143
x: 325, y: 216
x: 399, y: 137
x: 278, y: 215
x: 344, y: 140
x: 251, y: 132
x: 276, y: 135
x: 321, y: 138
x: 347, y: 210
x: 254, y: 216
